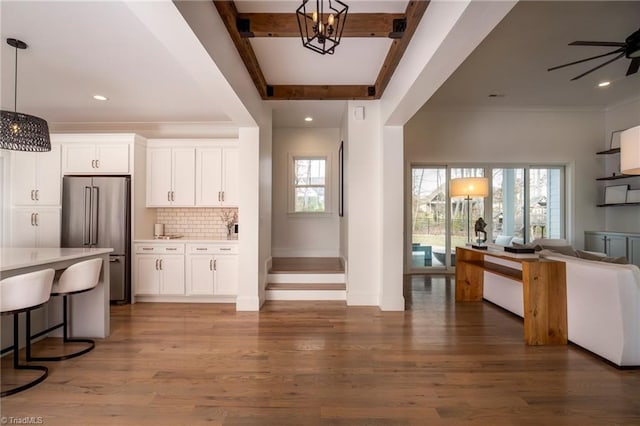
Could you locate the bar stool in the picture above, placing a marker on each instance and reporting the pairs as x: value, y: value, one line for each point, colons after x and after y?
x: 77, y: 278
x: 23, y: 293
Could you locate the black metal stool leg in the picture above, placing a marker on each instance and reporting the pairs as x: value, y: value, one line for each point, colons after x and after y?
x: 18, y: 366
x: 65, y: 338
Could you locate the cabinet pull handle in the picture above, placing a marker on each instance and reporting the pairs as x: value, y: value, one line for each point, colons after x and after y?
x: 161, y: 264
x: 201, y: 248
x: 168, y: 195
x: 97, y: 164
x: 156, y: 264
x: 211, y: 265
x: 33, y: 219
x: 37, y: 219
x: 93, y: 164
x: 37, y: 195
x: 172, y: 196
x: 147, y: 248
x: 222, y: 195
x: 215, y: 264
x: 32, y: 191
x: 219, y: 199
x: 172, y: 248
x: 225, y: 248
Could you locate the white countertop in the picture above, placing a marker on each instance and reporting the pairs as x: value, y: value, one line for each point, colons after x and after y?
x: 185, y: 240
x: 15, y: 258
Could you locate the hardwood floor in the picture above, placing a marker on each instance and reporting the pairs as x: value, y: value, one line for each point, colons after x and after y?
x: 317, y: 265
x: 323, y: 363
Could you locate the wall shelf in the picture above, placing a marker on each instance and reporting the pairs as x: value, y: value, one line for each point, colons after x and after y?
x: 618, y: 204
x: 616, y: 177
x: 609, y: 151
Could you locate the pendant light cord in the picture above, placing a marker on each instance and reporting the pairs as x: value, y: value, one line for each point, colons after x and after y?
x: 15, y: 84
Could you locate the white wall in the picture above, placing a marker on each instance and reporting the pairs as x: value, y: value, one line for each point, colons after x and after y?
x: 448, y: 136
x: 623, y: 116
x: 364, y: 179
x: 304, y: 235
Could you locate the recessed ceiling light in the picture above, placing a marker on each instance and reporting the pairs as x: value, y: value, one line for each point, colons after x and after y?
x: 100, y: 98
x: 308, y: 119
x: 604, y: 83
x: 496, y: 95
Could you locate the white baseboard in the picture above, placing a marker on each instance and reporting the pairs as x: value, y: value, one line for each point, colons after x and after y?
x: 362, y: 299
x: 186, y: 299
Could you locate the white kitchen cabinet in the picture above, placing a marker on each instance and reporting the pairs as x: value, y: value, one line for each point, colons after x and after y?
x: 159, y: 273
x: 96, y: 158
x: 35, y: 178
x: 170, y: 177
x: 212, y: 269
x: 226, y: 275
x: 35, y: 227
x: 217, y: 177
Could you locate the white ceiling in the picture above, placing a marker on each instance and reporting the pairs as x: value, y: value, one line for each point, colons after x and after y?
x: 81, y: 48
x: 534, y: 36
x: 78, y: 49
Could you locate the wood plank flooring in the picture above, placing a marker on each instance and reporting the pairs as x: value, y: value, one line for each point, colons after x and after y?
x: 311, y: 265
x: 323, y: 363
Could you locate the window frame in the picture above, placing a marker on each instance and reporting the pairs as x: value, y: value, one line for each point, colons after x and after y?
x: 328, y: 188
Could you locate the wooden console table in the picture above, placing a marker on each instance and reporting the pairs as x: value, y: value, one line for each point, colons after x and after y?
x: 543, y: 284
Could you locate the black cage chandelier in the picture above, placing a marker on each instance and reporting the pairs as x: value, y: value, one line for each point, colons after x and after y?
x: 18, y: 131
x: 321, y: 28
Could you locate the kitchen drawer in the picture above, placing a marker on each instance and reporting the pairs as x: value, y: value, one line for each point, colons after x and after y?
x: 212, y: 248
x: 152, y: 248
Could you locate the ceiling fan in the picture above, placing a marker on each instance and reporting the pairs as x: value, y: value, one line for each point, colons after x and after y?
x: 629, y: 48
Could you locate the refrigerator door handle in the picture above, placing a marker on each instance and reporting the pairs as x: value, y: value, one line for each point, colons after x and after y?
x: 86, y: 238
x: 95, y: 198
x: 114, y: 260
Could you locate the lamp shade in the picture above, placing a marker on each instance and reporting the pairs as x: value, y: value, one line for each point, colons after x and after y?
x: 470, y: 187
x: 630, y: 151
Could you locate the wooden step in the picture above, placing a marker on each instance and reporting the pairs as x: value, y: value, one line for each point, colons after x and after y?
x: 306, y: 286
x: 311, y: 265
x: 306, y: 277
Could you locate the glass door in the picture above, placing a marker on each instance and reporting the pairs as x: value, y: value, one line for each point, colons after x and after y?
x: 428, y: 217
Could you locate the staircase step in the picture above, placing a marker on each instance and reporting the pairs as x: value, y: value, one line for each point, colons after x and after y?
x: 307, y: 278
x: 311, y: 265
x: 307, y: 286
x: 305, y: 291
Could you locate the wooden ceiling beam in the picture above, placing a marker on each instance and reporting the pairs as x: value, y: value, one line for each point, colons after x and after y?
x: 229, y: 15
x: 415, y: 11
x: 329, y: 92
x: 286, y: 24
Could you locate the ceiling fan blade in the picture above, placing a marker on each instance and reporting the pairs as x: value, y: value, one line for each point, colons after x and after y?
x: 585, y: 60
x: 599, y: 43
x: 598, y: 67
x: 633, y: 66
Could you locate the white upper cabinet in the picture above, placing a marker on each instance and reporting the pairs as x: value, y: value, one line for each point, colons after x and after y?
x: 170, y: 177
x: 104, y: 158
x: 217, y: 177
x: 35, y: 178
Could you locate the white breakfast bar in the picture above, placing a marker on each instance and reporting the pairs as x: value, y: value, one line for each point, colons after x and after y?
x: 89, y: 310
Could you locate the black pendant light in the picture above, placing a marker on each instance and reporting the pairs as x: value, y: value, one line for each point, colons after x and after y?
x: 321, y: 27
x: 18, y: 131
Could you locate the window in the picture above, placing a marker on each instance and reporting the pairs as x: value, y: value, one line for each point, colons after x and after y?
x: 309, y: 189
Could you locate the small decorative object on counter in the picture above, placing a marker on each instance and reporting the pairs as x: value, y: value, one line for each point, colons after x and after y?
x: 230, y: 219
x: 479, y: 228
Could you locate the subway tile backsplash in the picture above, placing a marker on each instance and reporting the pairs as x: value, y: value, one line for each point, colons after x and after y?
x: 194, y: 222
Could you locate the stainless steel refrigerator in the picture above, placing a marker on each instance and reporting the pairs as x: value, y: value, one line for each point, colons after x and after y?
x: 96, y: 213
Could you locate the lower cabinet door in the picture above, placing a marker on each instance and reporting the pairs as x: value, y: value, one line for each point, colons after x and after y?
x: 147, y: 275
x: 172, y: 275
x: 200, y: 275
x: 226, y: 275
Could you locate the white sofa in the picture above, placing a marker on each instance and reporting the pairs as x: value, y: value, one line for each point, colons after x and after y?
x: 603, y: 306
